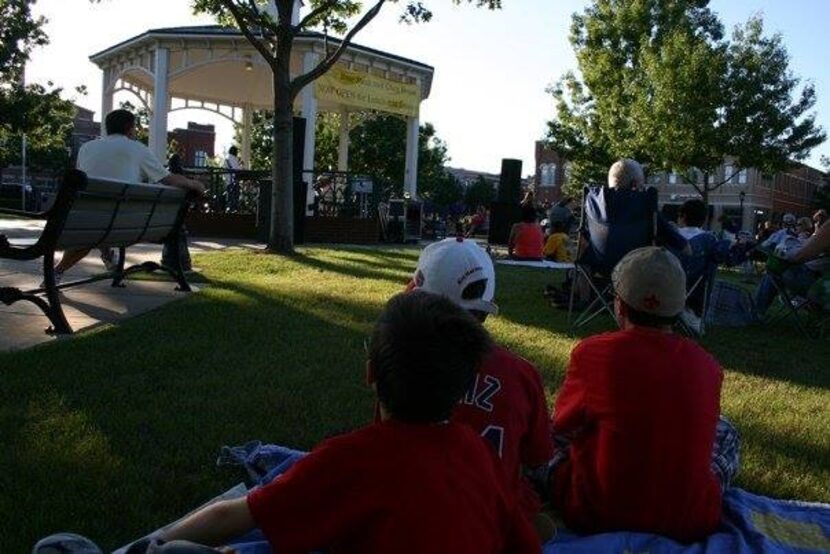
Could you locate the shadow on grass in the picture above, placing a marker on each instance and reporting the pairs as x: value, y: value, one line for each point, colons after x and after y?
x: 121, y: 426
x: 355, y: 269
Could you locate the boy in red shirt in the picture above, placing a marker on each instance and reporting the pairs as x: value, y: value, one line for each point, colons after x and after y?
x: 412, y: 483
x: 638, y: 414
x: 506, y: 404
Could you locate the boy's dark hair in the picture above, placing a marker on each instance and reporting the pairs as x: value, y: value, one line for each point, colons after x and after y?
x: 694, y: 212
x: 233, y: 150
x: 644, y: 319
x: 119, y: 122
x: 528, y: 213
x: 425, y: 352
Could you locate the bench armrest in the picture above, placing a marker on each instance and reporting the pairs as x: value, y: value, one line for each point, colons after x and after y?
x: 21, y: 213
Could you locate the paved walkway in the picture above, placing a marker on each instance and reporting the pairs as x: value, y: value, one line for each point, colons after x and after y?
x: 23, y: 325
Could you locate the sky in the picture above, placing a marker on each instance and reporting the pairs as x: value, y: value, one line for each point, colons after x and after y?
x: 492, y: 68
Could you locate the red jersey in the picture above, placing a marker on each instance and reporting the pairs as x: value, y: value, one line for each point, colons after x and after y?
x: 395, y: 487
x: 640, y: 407
x: 506, y: 405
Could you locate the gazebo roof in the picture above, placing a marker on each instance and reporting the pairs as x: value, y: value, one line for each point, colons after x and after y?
x: 213, y: 57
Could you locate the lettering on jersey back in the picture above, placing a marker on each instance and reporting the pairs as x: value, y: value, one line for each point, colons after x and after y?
x: 482, y: 392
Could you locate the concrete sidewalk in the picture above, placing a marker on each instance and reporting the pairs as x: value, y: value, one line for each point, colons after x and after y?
x: 23, y: 325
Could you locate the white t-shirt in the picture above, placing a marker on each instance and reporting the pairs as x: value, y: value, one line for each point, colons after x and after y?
x: 120, y: 158
x: 689, y: 233
x: 232, y: 162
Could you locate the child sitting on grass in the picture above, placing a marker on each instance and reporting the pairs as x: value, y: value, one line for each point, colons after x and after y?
x: 556, y: 245
x: 413, y: 482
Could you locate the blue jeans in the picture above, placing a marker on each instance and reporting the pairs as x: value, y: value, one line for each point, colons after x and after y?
x: 797, y: 279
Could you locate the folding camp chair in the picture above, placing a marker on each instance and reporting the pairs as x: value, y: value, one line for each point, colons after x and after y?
x: 811, y: 319
x: 614, y: 222
x: 701, y: 267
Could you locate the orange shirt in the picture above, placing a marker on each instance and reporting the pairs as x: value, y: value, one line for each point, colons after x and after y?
x: 529, y: 241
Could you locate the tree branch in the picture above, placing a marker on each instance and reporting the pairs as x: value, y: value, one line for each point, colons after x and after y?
x: 689, y: 182
x: 719, y: 185
x: 320, y: 10
x: 300, y: 82
x: 242, y: 23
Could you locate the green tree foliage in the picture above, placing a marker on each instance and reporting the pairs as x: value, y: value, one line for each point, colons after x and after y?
x: 34, y: 110
x: 273, y: 36
x: 659, y: 82
x: 480, y: 193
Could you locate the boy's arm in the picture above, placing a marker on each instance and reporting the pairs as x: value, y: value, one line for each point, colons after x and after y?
x: 569, y: 415
x: 214, y: 525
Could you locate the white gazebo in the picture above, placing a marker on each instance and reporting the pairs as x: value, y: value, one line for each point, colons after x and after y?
x: 216, y: 69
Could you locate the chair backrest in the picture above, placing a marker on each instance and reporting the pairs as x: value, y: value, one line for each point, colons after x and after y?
x: 112, y: 213
x: 617, y: 222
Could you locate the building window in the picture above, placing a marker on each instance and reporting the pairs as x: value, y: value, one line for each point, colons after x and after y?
x: 200, y: 158
x: 672, y: 178
x: 742, y: 177
x: 548, y: 175
x: 729, y: 173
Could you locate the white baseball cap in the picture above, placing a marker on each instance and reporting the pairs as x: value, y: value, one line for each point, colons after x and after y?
x: 651, y: 280
x: 450, y: 267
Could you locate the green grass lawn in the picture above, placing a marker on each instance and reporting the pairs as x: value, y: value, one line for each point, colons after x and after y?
x: 114, y: 432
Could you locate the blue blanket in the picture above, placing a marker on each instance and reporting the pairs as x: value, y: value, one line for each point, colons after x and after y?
x: 751, y: 523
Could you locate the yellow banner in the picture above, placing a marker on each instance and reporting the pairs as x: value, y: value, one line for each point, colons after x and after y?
x: 369, y: 92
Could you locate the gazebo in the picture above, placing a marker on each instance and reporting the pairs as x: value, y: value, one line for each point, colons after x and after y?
x: 216, y: 69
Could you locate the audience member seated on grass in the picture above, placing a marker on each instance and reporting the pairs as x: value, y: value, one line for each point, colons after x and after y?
x: 804, y: 228
x: 563, y: 212
x: 805, y: 266
x: 119, y: 157
x: 639, y: 445
x: 786, y: 231
x: 478, y: 223
x: 414, y: 482
x: 706, y: 253
x: 556, y: 245
x: 617, y: 219
x: 526, y: 240
x: 819, y: 218
x: 506, y: 404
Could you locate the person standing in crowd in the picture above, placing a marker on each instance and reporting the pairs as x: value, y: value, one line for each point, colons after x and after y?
x: 639, y: 442
x: 120, y: 157
x: 233, y: 164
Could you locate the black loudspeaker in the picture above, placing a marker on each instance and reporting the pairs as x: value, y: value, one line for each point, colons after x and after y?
x: 510, y: 182
x: 502, y: 217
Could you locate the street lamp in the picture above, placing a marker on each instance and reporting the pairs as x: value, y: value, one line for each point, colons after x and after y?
x: 742, y: 197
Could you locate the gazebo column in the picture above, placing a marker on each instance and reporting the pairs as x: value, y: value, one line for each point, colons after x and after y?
x: 106, y: 99
x: 343, y: 144
x: 247, y: 126
x: 310, y: 61
x: 411, y: 175
x: 161, y: 99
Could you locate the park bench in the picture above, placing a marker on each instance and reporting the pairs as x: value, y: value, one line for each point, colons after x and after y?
x: 93, y: 213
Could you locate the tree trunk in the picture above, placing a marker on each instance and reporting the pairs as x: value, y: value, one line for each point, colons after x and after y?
x: 281, y: 238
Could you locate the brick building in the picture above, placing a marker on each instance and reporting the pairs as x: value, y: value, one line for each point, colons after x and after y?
x: 196, y: 143
x: 551, y: 174
x: 749, y: 198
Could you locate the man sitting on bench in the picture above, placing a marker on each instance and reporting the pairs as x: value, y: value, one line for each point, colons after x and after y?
x: 119, y: 157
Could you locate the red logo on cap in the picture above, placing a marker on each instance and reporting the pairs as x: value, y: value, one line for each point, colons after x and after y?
x: 651, y: 303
